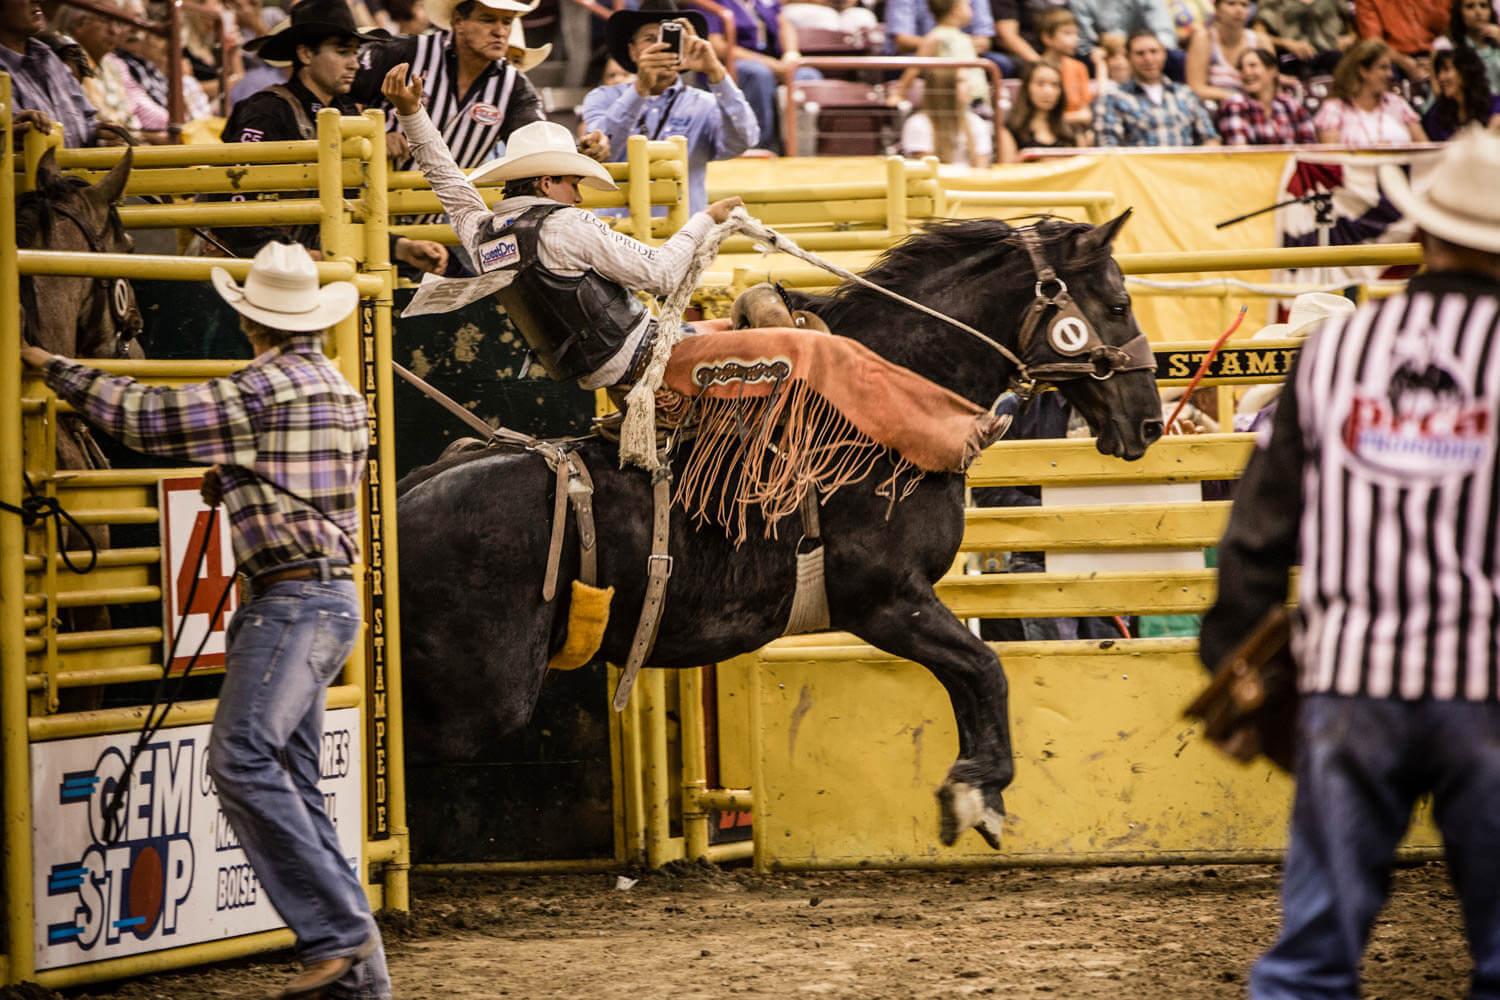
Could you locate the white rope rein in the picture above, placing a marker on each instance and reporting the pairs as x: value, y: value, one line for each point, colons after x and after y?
x: 638, y: 432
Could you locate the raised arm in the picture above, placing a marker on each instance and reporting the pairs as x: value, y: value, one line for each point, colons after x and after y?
x: 461, y: 199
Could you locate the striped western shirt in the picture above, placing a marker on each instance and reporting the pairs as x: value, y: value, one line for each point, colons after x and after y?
x: 289, y: 416
x: 1388, y: 426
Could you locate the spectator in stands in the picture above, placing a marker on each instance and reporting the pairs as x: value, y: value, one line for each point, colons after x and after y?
x: 322, y: 43
x: 1408, y: 27
x: 1463, y: 95
x: 1017, y: 38
x: 1152, y: 110
x: 1095, y: 17
x: 948, y: 40
x: 946, y: 126
x: 1057, y: 29
x: 42, y: 87
x: 614, y: 73
x: 1111, y: 66
x: 144, y: 56
x: 762, y: 41
x: 1215, y: 50
x: 1259, y: 116
x: 717, y: 122
x: 1361, y: 110
x: 408, y: 16
x: 1036, y: 119
x: 831, y: 15
x: 254, y: 19
x: 1309, y: 34
x: 1473, y: 22
x: 907, y: 22
x: 105, y: 84
x: 211, y: 41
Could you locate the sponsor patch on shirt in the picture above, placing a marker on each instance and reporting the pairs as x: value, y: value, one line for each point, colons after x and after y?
x: 486, y: 114
x: 1424, y: 423
x: 251, y: 135
x: 499, y: 253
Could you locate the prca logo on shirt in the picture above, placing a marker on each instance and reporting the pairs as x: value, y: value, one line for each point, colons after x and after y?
x: 486, y: 114
x: 499, y: 253
x: 1425, y: 425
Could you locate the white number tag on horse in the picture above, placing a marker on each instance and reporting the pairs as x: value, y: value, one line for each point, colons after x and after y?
x: 440, y: 295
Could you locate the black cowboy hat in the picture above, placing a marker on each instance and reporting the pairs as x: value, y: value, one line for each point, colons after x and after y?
x: 311, y: 21
x: 623, y: 24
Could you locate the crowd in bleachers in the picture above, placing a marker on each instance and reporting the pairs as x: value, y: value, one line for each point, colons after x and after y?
x: 1072, y: 73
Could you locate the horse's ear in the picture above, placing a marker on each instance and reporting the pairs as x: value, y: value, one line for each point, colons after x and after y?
x: 1103, y: 236
x: 112, y: 185
x: 47, y: 173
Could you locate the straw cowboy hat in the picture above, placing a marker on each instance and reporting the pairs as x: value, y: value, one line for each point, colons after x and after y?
x: 310, y: 21
x: 1459, y: 200
x: 623, y: 24
x: 1308, y: 310
x: 440, y: 12
x: 542, y: 149
x: 282, y: 290
x: 518, y: 55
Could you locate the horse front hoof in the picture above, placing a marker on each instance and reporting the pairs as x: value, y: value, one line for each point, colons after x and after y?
x: 960, y: 807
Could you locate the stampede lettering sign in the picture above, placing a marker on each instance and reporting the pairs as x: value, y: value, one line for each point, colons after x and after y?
x: 1233, y: 364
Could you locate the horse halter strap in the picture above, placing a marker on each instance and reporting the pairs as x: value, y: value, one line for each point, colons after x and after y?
x: 116, y: 293
x: 1069, y: 333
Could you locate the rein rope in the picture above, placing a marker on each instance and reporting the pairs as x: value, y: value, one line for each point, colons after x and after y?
x: 638, y: 432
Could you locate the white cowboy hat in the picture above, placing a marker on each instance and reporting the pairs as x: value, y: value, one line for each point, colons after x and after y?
x: 542, y: 149
x: 1459, y: 200
x: 1308, y: 310
x: 282, y: 291
x: 518, y: 55
x: 440, y: 12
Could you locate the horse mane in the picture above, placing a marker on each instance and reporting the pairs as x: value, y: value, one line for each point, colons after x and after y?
x: 983, y: 247
x: 34, y: 209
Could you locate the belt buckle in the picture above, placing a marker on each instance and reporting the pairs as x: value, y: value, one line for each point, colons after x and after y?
x: 664, y: 558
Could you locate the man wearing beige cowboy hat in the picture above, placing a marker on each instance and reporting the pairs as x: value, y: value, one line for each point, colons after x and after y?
x: 476, y: 95
x: 718, y: 123
x: 572, y: 297
x: 287, y: 437
x: 321, y: 41
x: 1381, y: 468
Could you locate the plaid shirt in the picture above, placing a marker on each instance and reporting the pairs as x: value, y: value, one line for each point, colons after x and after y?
x: 1244, y: 121
x: 289, y: 416
x: 1125, y: 116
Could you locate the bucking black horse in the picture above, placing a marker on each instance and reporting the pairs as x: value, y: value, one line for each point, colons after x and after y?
x: 474, y: 530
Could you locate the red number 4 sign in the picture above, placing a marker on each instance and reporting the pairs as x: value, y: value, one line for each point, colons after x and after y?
x: 184, y: 521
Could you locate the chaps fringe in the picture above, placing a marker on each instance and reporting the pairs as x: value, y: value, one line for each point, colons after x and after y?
x: 767, y: 452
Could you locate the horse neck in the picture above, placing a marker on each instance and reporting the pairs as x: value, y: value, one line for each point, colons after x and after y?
x: 939, y: 351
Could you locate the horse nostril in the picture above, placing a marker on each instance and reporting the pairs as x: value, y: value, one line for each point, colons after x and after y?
x: 1151, y: 430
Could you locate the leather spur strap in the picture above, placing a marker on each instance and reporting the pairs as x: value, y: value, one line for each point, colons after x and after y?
x: 574, y: 487
x: 658, y: 572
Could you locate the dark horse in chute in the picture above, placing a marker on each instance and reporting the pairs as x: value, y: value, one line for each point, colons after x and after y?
x: 78, y: 316
x: 476, y: 635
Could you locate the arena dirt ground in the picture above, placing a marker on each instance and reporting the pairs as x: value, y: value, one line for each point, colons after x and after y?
x: 1113, y: 933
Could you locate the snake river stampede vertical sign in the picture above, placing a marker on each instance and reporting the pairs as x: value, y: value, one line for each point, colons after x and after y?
x: 184, y: 521
x: 375, y: 635
x: 177, y: 876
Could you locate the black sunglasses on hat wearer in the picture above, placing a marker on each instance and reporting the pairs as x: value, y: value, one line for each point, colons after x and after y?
x: 622, y: 25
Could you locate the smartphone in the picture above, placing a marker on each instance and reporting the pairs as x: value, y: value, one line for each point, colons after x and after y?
x: 671, y: 33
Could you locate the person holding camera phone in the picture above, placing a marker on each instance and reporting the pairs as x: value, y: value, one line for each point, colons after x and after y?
x: 717, y: 123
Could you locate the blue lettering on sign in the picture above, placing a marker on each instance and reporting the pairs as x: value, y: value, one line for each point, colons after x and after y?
x: 136, y: 884
x: 499, y: 253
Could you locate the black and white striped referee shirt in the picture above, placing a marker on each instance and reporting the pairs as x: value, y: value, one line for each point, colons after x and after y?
x: 1381, y: 468
x: 472, y: 124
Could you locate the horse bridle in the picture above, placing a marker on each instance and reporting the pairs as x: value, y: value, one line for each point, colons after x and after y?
x: 1069, y: 333
x: 115, y: 294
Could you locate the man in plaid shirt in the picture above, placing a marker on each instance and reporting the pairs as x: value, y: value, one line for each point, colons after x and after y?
x: 289, y: 438
x: 1151, y: 110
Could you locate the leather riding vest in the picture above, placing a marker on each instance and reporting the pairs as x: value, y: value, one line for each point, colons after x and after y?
x: 574, y: 324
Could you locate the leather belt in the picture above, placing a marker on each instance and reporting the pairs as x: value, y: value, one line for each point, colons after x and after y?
x: 312, y: 572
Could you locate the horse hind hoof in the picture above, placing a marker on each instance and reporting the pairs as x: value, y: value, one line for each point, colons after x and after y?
x: 960, y: 807
x: 991, y: 826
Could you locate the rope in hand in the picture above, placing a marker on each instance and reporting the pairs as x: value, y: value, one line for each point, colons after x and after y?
x: 1208, y: 359
x: 36, y: 508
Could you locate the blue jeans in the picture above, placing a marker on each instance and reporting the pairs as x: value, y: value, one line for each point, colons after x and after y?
x: 1361, y: 764
x: 285, y: 647
x: 759, y: 82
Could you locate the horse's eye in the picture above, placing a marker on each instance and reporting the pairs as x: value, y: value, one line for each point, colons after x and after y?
x: 1119, y: 309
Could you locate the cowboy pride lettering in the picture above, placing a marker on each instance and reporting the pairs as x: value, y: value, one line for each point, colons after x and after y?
x: 176, y: 875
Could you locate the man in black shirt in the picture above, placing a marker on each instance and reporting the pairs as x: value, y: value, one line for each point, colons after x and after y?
x: 322, y: 42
